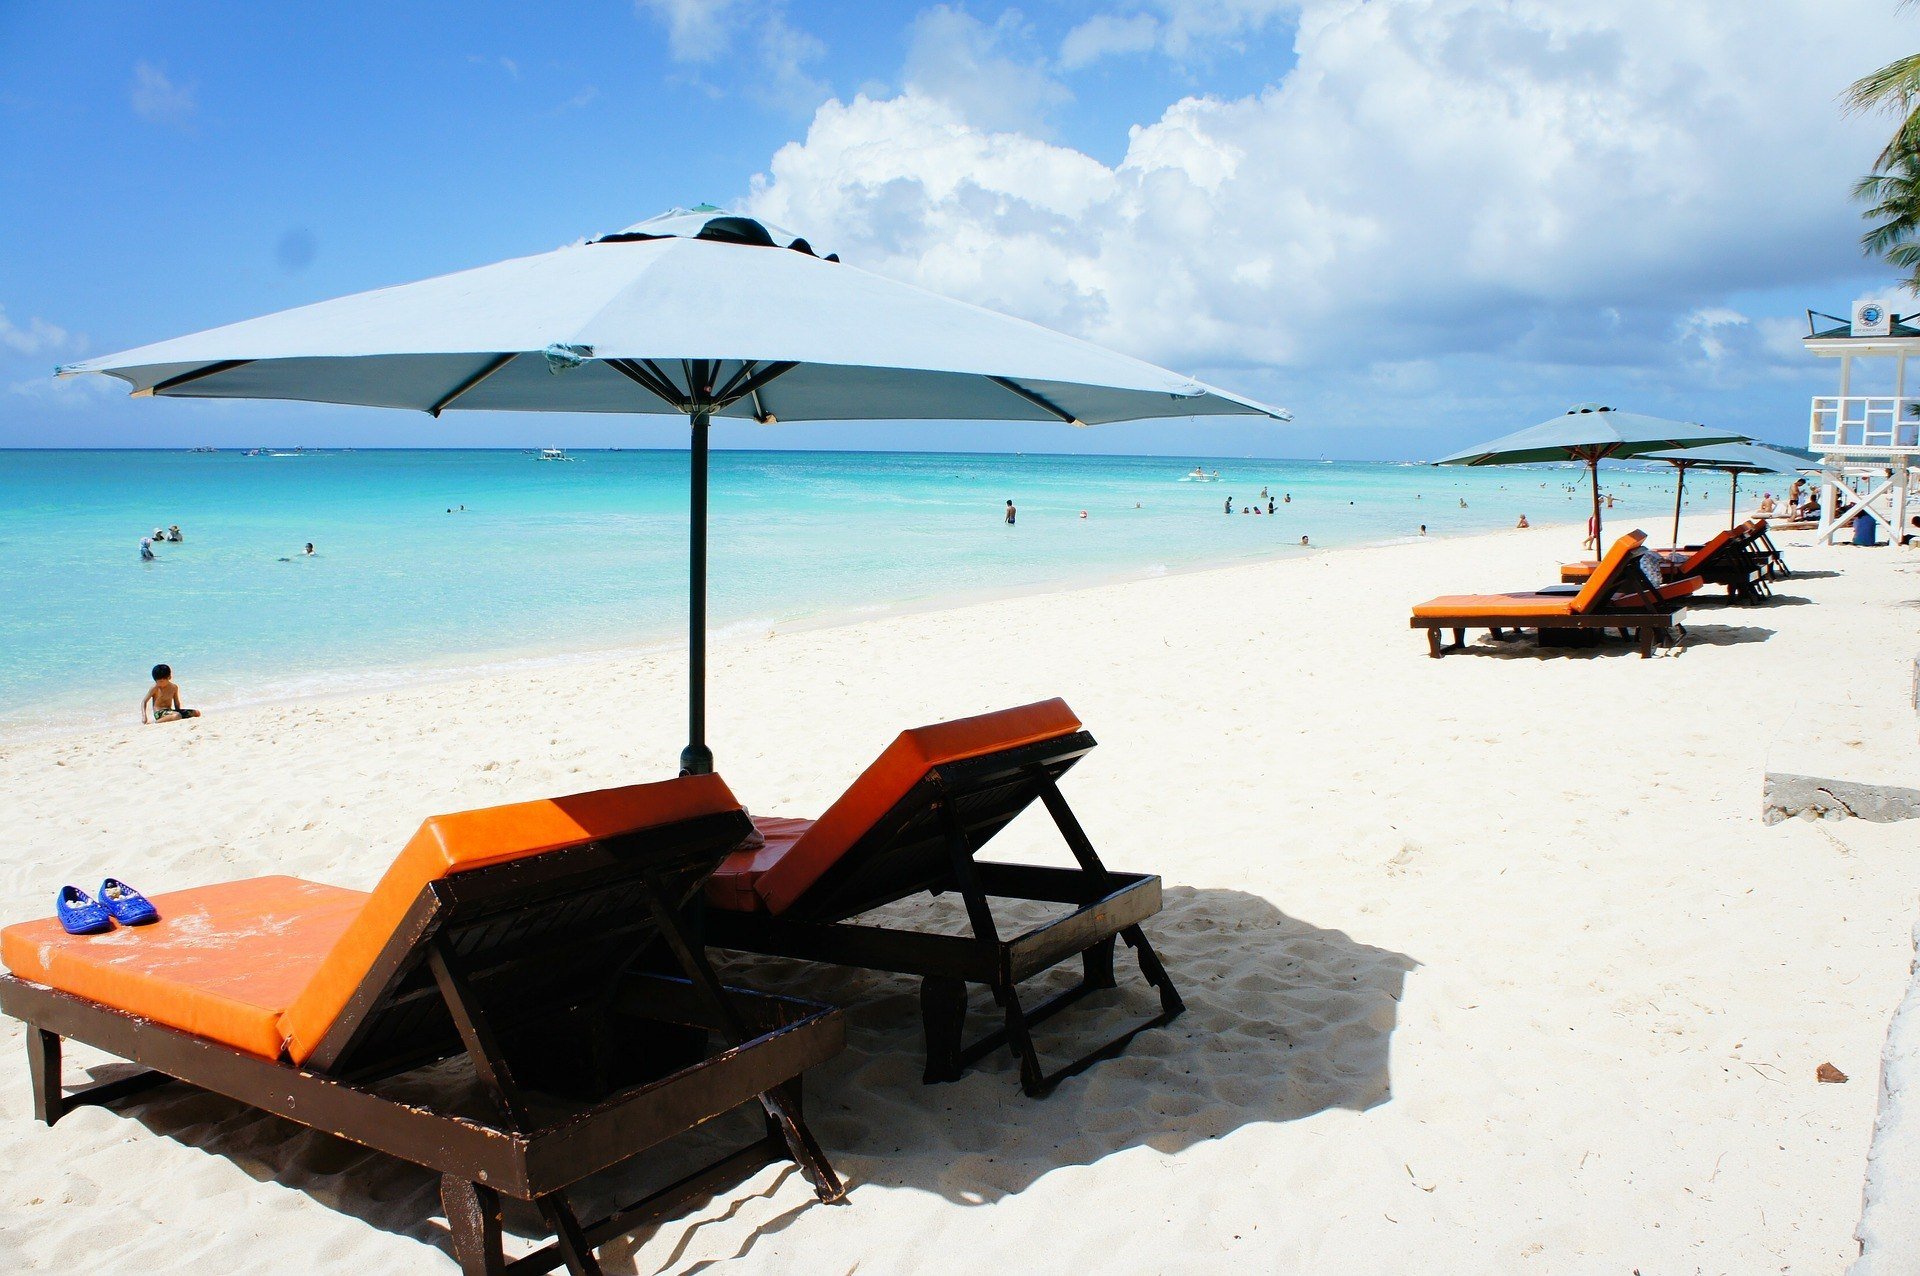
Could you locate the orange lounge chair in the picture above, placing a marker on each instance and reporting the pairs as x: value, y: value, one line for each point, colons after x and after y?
x: 1739, y: 558
x: 1617, y: 596
x: 913, y: 823
x: 516, y: 936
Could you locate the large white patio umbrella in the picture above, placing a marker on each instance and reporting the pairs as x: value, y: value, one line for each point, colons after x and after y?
x: 696, y: 312
x: 1590, y: 433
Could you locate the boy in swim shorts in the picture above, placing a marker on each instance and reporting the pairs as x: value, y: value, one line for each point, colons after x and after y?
x: 164, y: 698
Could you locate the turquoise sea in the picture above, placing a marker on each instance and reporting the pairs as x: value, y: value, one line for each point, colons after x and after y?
x: 590, y: 554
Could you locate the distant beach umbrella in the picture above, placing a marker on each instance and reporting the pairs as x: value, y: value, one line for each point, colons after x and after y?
x: 696, y: 312
x: 1735, y: 459
x: 1590, y: 433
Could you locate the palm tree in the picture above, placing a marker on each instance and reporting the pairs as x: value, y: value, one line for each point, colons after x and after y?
x: 1893, y: 188
x: 1894, y: 87
x: 1894, y: 193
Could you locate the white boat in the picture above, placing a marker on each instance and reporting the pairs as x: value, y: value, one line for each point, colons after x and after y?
x: 554, y: 454
x: 1198, y: 475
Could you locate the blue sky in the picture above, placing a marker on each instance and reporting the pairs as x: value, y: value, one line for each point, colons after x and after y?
x: 1415, y: 222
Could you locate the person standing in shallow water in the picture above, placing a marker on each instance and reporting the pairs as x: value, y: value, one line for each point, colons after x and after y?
x: 1010, y: 513
x: 1229, y: 505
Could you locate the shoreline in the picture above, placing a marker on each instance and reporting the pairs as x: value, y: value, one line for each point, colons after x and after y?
x: 377, y: 681
x: 1438, y: 924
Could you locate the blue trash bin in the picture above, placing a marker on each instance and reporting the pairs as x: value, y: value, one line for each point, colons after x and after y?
x: 1865, y: 529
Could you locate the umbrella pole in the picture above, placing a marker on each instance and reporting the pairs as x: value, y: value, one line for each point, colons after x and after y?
x: 697, y: 758
x: 1733, y: 503
x: 1679, y: 489
x: 1593, y: 468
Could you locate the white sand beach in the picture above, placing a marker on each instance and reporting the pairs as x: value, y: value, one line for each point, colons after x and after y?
x: 1491, y: 964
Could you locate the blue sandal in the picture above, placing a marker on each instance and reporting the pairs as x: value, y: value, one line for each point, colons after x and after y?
x: 79, y: 914
x: 128, y: 906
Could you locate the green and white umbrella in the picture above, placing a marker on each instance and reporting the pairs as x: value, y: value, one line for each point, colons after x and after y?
x: 1590, y: 433
x: 699, y: 313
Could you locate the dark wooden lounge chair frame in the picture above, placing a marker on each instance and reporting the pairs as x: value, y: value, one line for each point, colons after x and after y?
x: 928, y: 842
x: 1648, y: 616
x: 533, y: 970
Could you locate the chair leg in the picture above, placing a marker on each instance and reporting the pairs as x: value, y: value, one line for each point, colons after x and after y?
x: 1433, y: 643
x: 782, y: 1105
x: 575, y: 1252
x: 1096, y: 965
x: 43, y: 1067
x: 1460, y: 639
x: 473, y: 1216
x: 1032, y: 1080
x: 1170, y: 1002
x: 1648, y: 635
x: 943, y: 1015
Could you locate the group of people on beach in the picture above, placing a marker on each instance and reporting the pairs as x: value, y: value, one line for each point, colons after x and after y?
x: 1801, y: 504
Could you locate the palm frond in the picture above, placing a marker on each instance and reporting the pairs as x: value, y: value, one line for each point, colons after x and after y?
x: 1894, y: 86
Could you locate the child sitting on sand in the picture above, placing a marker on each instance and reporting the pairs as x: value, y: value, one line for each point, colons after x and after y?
x: 164, y: 697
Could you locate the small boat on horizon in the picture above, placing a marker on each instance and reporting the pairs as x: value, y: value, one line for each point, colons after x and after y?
x: 554, y: 454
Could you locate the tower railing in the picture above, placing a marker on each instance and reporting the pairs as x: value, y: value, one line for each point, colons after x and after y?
x: 1865, y: 423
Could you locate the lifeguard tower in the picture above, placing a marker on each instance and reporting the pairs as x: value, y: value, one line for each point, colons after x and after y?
x: 1868, y: 443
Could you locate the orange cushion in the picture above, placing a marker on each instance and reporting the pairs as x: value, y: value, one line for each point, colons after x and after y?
x: 223, y: 962
x: 1602, y: 580
x: 731, y: 886
x: 1694, y: 561
x: 1504, y: 606
x: 475, y: 839
x: 798, y: 852
x: 1674, y: 590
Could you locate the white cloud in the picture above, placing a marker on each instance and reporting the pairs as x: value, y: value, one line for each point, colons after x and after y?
x: 755, y: 34
x: 1106, y: 35
x: 159, y: 100
x: 584, y: 98
x: 511, y: 67
x: 784, y: 53
x: 37, y: 339
x: 1179, y: 28
x: 68, y: 392
x: 1433, y: 177
x: 697, y: 30
x: 1709, y: 330
x: 979, y: 71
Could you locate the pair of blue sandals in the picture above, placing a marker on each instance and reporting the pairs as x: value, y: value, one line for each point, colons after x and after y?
x: 81, y: 914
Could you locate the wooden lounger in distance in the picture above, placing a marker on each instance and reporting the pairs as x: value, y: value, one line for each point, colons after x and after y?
x: 1736, y: 558
x: 516, y: 936
x: 1618, y: 596
x: 911, y: 824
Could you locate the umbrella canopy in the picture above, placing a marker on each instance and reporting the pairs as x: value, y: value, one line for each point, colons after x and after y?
x: 1735, y: 459
x: 1590, y: 433
x: 683, y: 309
x: 696, y: 312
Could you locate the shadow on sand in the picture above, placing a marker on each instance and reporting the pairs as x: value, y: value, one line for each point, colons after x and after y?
x: 1283, y: 1020
x: 1611, y: 646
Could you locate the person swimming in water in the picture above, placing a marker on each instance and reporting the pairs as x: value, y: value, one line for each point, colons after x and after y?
x: 146, y: 550
x: 1010, y: 513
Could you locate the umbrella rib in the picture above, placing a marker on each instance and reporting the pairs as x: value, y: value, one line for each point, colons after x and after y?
x: 649, y: 380
x: 212, y: 369
x: 492, y: 366
x: 758, y: 381
x: 1039, y: 401
x: 729, y: 392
